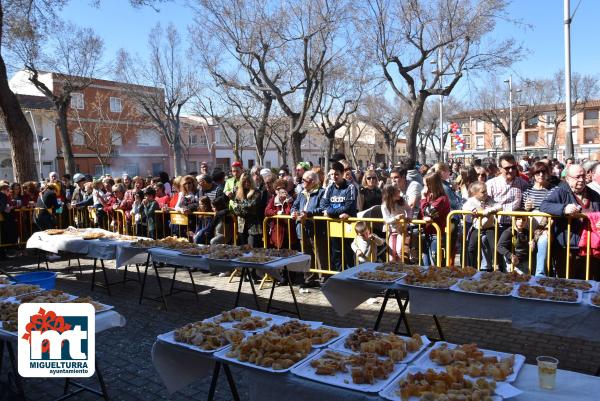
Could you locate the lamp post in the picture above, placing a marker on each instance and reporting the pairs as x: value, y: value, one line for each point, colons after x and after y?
x: 510, y: 113
x: 40, y: 143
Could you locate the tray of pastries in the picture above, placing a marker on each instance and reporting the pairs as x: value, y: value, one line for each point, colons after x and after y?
x: 9, y: 316
x: 278, y: 253
x: 417, y: 383
x: 503, y: 277
x: 18, y: 289
x: 399, y: 349
x: 554, y: 282
x: 47, y: 296
x: 54, y: 231
x: 472, y: 361
x: 364, y: 372
x: 539, y: 293
x: 196, y: 251
x: 268, y: 351
x: 318, y: 334
x: 203, y: 336
x: 378, y: 276
x: 397, y: 267
x: 92, y: 235
x: 594, y: 299
x: 257, y: 259
x: 484, y: 287
x: 98, y: 306
x: 225, y: 254
x: 247, y: 319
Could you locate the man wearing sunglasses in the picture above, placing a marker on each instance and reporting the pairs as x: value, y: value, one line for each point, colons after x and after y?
x: 570, y: 198
x: 507, y: 190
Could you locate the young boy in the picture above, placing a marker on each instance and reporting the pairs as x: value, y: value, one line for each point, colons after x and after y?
x: 514, y: 245
x: 365, y: 244
x: 480, y: 202
x: 149, y: 206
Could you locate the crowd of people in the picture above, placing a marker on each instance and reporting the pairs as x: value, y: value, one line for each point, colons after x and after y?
x: 400, y: 195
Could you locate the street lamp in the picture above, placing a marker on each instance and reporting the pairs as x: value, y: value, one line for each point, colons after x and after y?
x: 510, y: 113
x: 439, y: 71
x: 40, y: 143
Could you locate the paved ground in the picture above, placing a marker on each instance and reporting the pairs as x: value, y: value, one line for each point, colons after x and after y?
x: 124, y: 353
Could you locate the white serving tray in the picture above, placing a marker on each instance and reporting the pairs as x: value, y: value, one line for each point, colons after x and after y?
x: 515, y: 294
x: 273, y: 259
x: 456, y: 288
x: 344, y: 379
x: 341, y: 346
x: 17, y: 301
x: 17, y: 285
x: 169, y: 338
x: 403, y: 283
x: 477, y: 276
x: 587, y: 299
x: 503, y: 390
x: 222, y: 354
x: 593, y: 283
x: 275, y: 319
x: 343, y: 332
x: 425, y: 362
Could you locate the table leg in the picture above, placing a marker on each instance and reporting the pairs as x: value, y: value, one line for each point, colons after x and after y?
x: 79, y: 265
x: 173, y: 281
x: 193, y: 285
x: 251, y: 280
x: 271, y: 296
x: 403, y: 318
x: 383, y: 305
x: 144, y: 279
x: 101, y: 382
x: 162, y: 294
x: 215, y: 377
x: 287, y: 274
x: 125, y: 274
x: 239, y: 290
x: 232, y: 386
x: 13, y: 363
x: 439, y: 328
x: 94, y: 274
x: 106, y: 283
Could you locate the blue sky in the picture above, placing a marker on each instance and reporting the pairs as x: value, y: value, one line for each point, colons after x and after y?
x: 122, y: 26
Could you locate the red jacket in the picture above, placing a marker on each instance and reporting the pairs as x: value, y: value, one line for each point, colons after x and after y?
x: 278, y: 228
x: 442, y: 208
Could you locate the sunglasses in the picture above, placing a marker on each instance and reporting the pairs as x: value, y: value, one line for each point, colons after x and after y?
x: 509, y: 168
x: 539, y: 172
x: 371, y: 178
x: 481, y: 175
x: 304, y: 180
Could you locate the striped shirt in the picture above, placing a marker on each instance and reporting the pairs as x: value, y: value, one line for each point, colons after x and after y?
x: 509, y: 195
x: 536, y: 196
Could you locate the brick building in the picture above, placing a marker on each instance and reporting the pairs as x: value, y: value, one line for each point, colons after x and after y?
x: 535, y: 135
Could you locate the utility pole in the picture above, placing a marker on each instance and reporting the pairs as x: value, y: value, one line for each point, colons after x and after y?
x: 569, y: 151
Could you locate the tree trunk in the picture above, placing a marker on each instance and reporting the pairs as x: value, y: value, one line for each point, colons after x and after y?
x: 423, y: 155
x: 413, y: 128
x: 296, y: 139
x: 20, y: 135
x: 553, y: 142
x: 178, y: 155
x: 67, y: 151
x: 329, y: 152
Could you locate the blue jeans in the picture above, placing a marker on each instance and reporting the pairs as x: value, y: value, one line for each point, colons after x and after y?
x: 429, y: 252
x: 542, y: 254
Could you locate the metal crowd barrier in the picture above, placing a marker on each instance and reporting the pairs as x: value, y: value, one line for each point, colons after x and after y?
x: 530, y: 215
x: 344, y: 229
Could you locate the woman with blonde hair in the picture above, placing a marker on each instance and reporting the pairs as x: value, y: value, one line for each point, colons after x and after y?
x: 245, y: 208
x: 188, y: 197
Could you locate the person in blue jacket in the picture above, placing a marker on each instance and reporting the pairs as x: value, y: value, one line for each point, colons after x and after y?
x: 339, y: 202
x: 571, y: 197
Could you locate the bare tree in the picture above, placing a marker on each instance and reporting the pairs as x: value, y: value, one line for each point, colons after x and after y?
x: 355, y: 132
x: 73, y: 59
x: 279, y: 129
x: 169, y: 70
x: 406, y: 35
x: 281, y: 48
x: 388, y: 119
x: 554, y: 113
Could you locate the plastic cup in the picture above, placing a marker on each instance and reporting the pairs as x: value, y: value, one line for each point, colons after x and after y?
x: 547, y: 366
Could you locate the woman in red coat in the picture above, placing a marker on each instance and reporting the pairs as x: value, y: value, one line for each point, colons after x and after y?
x: 280, y: 204
x: 435, y: 207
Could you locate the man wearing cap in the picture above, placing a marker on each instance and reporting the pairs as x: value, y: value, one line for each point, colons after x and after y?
x: 232, y: 183
x: 79, y: 192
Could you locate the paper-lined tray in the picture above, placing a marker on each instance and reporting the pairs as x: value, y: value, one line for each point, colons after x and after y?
x: 587, y: 299
x: 271, y: 320
x: 343, y: 332
x: 244, y: 259
x: 340, y: 345
x: 404, y: 283
x: 344, y: 379
x: 19, y: 298
x: 515, y: 294
x: 425, y: 361
x: 479, y: 276
x: 456, y: 288
x: 593, y: 284
x: 222, y: 354
x: 502, y: 391
x: 169, y: 338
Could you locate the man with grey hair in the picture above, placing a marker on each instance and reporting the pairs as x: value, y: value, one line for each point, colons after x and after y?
x: 571, y: 198
x: 208, y: 187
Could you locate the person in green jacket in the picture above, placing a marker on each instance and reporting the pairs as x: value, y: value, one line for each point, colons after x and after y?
x: 231, y: 185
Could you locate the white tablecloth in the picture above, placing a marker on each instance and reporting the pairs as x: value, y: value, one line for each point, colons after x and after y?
x: 569, y: 320
x: 299, y: 263
x: 178, y: 367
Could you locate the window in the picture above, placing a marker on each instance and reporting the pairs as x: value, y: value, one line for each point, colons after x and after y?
x: 250, y: 163
x: 479, y: 142
x: 115, y: 105
x: 116, y: 138
x: 465, y: 127
x: 531, y: 138
x: 498, y: 141
x: 590, y: 135
x: 268, y: 164
x: 191, y: 166
x: 100, y: 169
x: 78, y: 138
x: 549, y: 118
x: 148, y: 137
x: 193, y: 139
x: 467, y: 139
x: 77, y: 101
x: 156, y: 168
x: 590, y: 115
x: 549, y: 136
x: 532, y: 122
x: 131, y: 169
x: 479, y: 126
